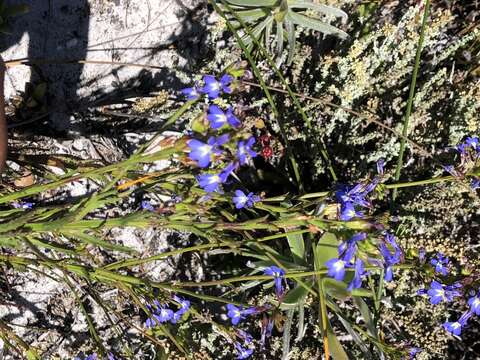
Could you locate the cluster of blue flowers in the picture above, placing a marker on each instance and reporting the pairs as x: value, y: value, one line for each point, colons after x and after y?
x: 162, y: 314
x: 348, y: 257
x: 353, y: 198
x: 206, y: 153
x: 469, y: 155
x: 438, y: 293
x: 237, y: 313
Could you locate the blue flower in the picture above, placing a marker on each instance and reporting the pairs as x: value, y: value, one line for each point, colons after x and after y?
x: 218, y: 118
x: 213, y: 87
x: 439, y: 292
x: 110, y: 356
x: 91, y: 357
x: 474, y: 303
x: 177, y: 315
x: 278, y: 276
x: 202, y: 153
x: 390, y: 258
x: 145, y: 205
x: 348, y: 212
x: 241, y: 200
x: 22, y: 205
x: 184, y: 304
x: 356, y: 194
x: 455, y: 327
x: 451, y: 170
x: 347, y: 249
x: 380, y: 167
x: 357, y: 278
x: 237, y: 313
x: 473, y: 142
x: 462, y: 148
x: 336, y: 268
x: 247, y: 338
x: 267, y: 328
x: 441, y: 264
x: 421, y: 256
x: 209, y: 182
x: 192, y: 93
x: 413, y: 351
x: 162, y: 313
x: 245, y: 149
x: 436, y: 292
x: 475, y: 183
x: 242, y: 352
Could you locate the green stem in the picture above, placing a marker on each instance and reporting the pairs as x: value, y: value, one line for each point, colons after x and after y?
x: 411, y: 96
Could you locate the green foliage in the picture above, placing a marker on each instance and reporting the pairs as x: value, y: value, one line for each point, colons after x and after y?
x: 279, y: 18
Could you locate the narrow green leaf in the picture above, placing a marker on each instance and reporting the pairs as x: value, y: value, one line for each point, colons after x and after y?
x: 297, y: 247
x: 295, y: 296
x: 291, y: 40
x: 336, y: 289
x: 253, y: 15
x: 316, y: 25
x: 367, y: 315
x: 325, y: 9
x: 253, y: 3
x: 89, y: 239
x: 326, y: 249
x: 336, y: 349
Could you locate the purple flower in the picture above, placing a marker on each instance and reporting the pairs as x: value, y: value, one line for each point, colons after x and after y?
x: 439, y: 292
x: 348, y: 212
x: 357, y: 278
x: 242, y: 352
x: 241, y: 200
x: 347, y: 249
x: 421, y: 256
x: 455, y: 327
x: 218, y: 118
x: 356, y: 194
x: 145, y: 205
x: 441, y: 264
x: 209, y: 182
x: 413, y: 351
x: 436, y: 292
x: 213, y: 87
x: 461, y: 148
x: 475, y: 183
x: 246, y: 337
x: 202, y: 153
x: 237, y: 313
x: 162, y: 313
x: 267, y: 328
x: 245, y: 149
x: 184, y: 304
x: 336, y: 269
x: 380, y: 167
x: 390, y: 258
x: 472, y: 141
x: 22, y: 205
x: 192, y: 93
x: 278, y: 276
x: 176, y: 317
x: 451, y: 170
x: 474, y: 303
x: 110, y: 356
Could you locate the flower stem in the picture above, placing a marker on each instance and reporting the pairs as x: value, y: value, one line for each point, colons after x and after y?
x: 411, y: 96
